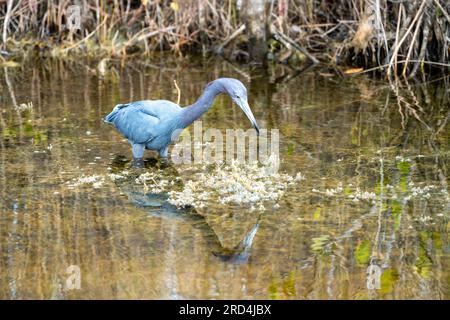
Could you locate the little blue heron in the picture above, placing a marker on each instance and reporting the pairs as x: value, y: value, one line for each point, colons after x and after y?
x: 153, y: 124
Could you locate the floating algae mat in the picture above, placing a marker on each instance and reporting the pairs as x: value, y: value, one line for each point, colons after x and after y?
x: 251, y: 186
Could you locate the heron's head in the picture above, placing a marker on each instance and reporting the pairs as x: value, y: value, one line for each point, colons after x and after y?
x: 238, y: 93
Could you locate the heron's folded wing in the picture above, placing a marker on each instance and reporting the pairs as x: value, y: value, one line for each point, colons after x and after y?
x: 136, y: 125
x: 158, y: 108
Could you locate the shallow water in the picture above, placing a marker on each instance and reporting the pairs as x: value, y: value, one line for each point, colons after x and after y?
x: 346, y: 136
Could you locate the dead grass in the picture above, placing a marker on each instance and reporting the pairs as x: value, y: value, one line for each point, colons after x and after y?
x: 369, y: 33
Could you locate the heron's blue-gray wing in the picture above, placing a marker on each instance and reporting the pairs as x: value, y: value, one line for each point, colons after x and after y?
x: 137, y: 126
x: 138, y: 121
x: 158, y: 108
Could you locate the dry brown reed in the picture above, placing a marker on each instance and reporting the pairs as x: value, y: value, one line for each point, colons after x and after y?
x: 395, y: 36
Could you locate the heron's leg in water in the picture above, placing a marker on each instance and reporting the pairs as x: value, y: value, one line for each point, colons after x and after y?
x: 138, y: 163
x: 163, y: 153
x: 138, y: 150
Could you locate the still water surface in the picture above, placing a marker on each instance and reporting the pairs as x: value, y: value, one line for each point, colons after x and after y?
x: 370, y: 220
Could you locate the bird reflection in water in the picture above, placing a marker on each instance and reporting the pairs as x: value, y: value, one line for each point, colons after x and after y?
x: 157, y: 204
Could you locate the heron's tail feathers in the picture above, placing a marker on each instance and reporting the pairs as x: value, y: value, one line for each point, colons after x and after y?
x: 112, y: 116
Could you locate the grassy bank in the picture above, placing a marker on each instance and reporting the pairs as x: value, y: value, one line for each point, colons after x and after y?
x: 394, y: 36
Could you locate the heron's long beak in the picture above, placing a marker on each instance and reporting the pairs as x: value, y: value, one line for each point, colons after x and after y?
x: 243, y: 104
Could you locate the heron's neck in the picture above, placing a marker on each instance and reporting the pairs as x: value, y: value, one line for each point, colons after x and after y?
x: 197, y: 109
